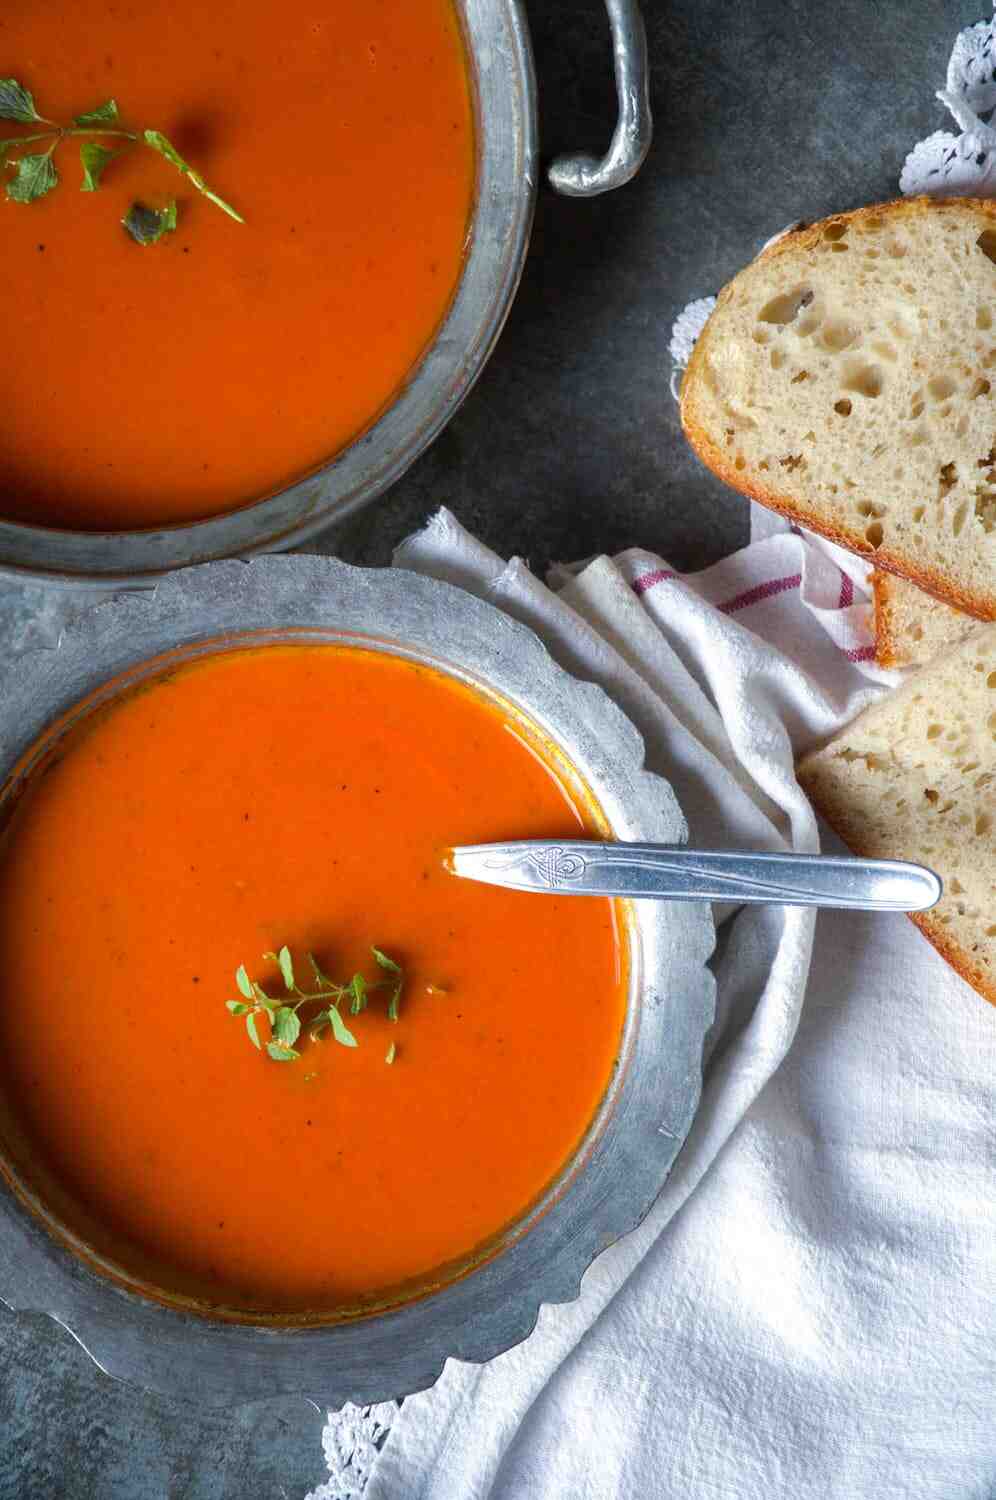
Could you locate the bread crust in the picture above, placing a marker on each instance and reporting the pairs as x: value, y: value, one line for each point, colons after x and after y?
x: 885, y: 639
x: 936, y: 934
x: 715, y: 458
x: 891, y: 646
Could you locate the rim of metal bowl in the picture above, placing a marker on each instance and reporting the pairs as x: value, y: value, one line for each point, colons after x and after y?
x: 617, y: 1172
x: 504, y: 84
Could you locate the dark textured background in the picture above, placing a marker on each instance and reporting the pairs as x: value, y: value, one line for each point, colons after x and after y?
x: 767, y: 111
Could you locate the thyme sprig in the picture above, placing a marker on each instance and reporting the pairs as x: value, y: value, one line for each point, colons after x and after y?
x: 316, y: 1011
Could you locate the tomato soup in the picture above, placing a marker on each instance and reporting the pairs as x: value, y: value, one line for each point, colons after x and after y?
x: 301, y: 796
x: 150, y: 385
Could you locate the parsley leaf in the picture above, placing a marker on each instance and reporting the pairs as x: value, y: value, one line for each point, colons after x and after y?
x: 148, y: 225
x: 104, y: 114
x: 36, y: 176
x: 244, y: 982
x: 94, y: 160
x: 16, y: 103
x: 158, y: 142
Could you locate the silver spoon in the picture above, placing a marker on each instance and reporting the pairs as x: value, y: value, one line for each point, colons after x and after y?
x: 665, y: 872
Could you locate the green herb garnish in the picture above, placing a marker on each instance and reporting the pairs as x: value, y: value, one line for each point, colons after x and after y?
x: 158, y: 142
x: 148, y: 225
x: 104, y: 114
x: 396, y: 983
x: 17, y: 104
x: 35, y: 174
x: 317, y: 1010
x: 94, y: 159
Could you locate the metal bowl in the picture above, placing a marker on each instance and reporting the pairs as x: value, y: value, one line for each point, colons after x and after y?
x: 504, y: 87
x: 619, y: 1169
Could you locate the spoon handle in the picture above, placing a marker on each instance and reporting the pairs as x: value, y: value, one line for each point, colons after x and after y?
x: 663, y: 872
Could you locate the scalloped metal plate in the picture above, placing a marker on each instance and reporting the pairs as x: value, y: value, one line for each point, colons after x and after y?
x: 622, y: 1167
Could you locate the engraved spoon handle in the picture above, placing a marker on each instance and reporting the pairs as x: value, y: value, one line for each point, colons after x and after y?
x: 663, y: 872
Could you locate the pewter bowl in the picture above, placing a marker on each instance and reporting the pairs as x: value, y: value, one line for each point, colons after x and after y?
x: 505, y: 111
x: 624, y: 1161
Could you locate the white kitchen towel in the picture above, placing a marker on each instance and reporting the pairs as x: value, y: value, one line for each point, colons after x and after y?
x: 809, y: 1312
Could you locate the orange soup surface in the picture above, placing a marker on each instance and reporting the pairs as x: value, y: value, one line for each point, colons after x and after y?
x: 146, y: 386
x: 301, y: 795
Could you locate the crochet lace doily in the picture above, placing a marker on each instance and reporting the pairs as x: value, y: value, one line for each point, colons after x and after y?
x: 941, y: 165
x: 944, y: 163
x: 352, y: 1439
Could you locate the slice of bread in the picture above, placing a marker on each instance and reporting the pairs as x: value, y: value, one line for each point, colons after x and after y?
x: 846, y: 378
x: 914, y: 777
x: 912, y: 627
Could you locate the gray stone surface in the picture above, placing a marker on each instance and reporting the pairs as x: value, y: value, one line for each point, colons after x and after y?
x: 767, y: 112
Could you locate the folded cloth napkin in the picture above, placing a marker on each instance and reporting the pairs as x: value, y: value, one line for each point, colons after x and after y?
x: 808, y: 1310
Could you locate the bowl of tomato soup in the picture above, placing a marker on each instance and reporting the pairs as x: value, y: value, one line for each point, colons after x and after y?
x: 297, y: 1110
x: 264, y: 366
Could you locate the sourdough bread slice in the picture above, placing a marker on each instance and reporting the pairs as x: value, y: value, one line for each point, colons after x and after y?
x: 914, y: 777
x: 911, y: 627
x: 846, y: 378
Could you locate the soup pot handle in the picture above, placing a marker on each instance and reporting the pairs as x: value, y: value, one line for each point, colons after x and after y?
x: 583, y: 176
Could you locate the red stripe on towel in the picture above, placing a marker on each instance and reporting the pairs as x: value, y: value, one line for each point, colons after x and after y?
x: 641, y: 585
x: 755, y: 595
x: 846, y: 592
x: 759, y: 592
